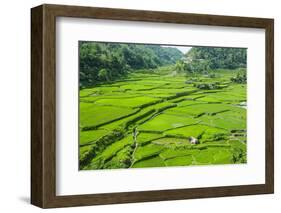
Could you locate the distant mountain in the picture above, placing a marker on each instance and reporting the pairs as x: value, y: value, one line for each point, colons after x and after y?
x: 100, y: 61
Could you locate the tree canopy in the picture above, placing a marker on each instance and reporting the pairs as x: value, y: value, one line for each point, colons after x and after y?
x: 100, y: 61
x: 204, y: 58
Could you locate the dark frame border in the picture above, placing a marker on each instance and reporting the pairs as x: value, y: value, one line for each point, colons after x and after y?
x: 43, y: 105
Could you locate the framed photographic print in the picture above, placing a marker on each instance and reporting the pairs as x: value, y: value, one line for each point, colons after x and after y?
x: 137, y: 106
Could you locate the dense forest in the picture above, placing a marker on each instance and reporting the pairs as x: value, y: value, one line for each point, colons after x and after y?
x: 200, y: 59
x: 101, y: 62
x: 220, y: 58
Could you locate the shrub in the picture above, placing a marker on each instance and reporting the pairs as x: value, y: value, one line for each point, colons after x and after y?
x: 240, y: 78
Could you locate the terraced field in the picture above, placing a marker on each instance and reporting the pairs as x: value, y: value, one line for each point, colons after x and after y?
x: 153, y: 120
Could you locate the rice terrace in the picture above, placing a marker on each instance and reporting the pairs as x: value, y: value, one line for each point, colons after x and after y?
x: 144, y: 105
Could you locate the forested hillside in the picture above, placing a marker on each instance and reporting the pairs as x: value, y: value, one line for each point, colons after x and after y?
x: 219, y: 58
x: 101, y: 62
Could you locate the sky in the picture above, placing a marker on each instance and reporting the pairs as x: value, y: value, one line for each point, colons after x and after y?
x: 183, y: 49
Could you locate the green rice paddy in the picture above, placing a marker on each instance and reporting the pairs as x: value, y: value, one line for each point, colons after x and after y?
x: 148, y: 120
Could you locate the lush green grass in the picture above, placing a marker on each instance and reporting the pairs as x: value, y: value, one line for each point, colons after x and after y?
x: 101, y: 160
x: 180, y: 161
x: 151, y: 162
x: 93, y: 115
x: 169, y: 141
x: 164, y: 122
x: 138, y: 86
x: 128, y: 102
x: 182, y: 152
x: 153, y: 116
x: 98, y: 91
x: 228, y: 123
x: 188, y: 131
x: 214, y: 134
x: 91, y: 136
x: 114, y: 96
x: 143, y: 137
x: 216, y: 155
x: 147, y: 151
x: 184, y: 103
x: 112, y: 149
x: 121, y: 160
x: 200, y: 109
x: 84, y: 149
x: 223, y: 156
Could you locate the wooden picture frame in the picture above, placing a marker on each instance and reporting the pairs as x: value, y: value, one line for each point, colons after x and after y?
x: 43, y: 105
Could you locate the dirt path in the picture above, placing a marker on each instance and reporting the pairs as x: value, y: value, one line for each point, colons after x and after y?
x: 135, y: 133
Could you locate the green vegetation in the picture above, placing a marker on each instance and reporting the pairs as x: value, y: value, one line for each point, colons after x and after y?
x: 205, y: 58
x: 104, y: 62
x: 93, y: 115
x: 87, y: 137
x: 151, y: 162
x: 164, y: 122
x: 142, y: 106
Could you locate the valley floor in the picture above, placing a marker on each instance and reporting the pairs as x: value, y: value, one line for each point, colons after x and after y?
x: 151, y: 120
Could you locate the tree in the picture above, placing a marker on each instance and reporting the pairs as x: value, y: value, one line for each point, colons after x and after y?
x: 104, y: 75
x: 241, y: 77
x: 180, y: 66
x: 197, y: 66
